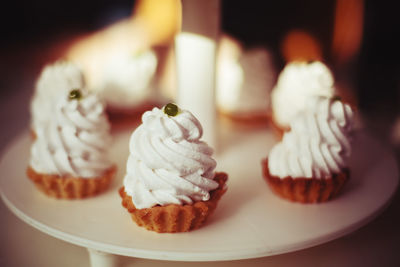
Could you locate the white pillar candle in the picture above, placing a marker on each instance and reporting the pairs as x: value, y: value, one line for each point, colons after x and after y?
x: 195, y: 49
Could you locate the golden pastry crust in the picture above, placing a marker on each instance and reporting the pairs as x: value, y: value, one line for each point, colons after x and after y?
x: 71, y: 187
x: 306, y: 190
x: 174, y: 218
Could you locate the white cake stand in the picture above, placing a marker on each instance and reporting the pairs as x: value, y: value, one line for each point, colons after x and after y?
x: 249, y: 222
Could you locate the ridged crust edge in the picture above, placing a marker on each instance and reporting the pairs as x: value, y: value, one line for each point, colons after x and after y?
x: 174, y: 218
x: 71, y: 187
x: 306, y: 190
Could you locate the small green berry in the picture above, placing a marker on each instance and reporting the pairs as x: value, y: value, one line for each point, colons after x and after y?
x: 75, y: 94
x: 171, y: 109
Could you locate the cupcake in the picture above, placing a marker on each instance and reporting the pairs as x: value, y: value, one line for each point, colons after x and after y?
x: 296, y: 83
x: 127, y: 84
x: 121, y: 66
x: 69, y: 156
x: 245, y: 78
x: 170, y: 183
x: 309, y: 165
x: 55, y: 79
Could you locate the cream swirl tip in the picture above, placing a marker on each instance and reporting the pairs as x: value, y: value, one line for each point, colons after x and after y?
x: 296, y: 83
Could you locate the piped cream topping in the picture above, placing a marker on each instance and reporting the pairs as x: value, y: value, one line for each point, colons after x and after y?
x: 318, y: 143
x: 75, y: 141
x: 296, y: 83
x: 55, y: 79
x: 168, y: 163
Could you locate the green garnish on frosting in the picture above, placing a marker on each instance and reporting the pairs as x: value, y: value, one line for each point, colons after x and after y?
x: 75, y: 94
x: 336, y: 98
x: 171, y: 109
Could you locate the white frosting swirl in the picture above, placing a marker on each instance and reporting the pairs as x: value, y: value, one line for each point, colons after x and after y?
x: 296, y: 83
x: 75, y: 141
x: 127, y: 78
x: 318, y: 143
x: 168, y: 164
x: 55, y: 79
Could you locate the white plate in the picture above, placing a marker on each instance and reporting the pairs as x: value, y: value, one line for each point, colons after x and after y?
x: 249, y: 222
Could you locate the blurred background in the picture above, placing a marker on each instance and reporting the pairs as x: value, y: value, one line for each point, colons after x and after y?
x: 357, y: 39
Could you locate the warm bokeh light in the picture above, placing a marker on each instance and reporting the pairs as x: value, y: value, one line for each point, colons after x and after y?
x: 160, y: 19
x: 348, y: 28
x: 300, y: 45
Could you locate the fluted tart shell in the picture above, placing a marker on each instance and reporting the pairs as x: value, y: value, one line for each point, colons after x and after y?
x: 306, y: 190
x: 71, y: 187
x: 175, y: 218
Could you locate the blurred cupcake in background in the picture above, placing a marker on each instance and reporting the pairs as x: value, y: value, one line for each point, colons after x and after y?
x: 69, y: 157
x: 121, y: 67
x: 127, y: 79
x: 128, y: 84
x: 245, y: 78
x: 55, y: 79
x: 124, y: 60
x: 297, y: 82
